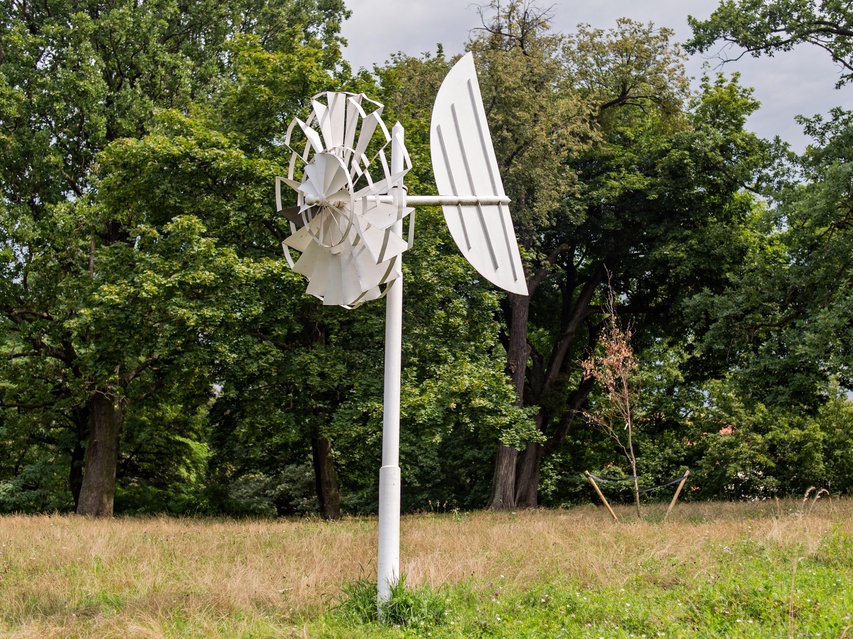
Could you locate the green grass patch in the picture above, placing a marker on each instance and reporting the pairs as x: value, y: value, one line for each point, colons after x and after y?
x: 752, y: 599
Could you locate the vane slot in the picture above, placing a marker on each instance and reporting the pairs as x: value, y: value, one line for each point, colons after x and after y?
x: 510, y: 241
x: 472, y: 188
x: 488, y: 150
x: 491, y: 164
x: 453, y: 186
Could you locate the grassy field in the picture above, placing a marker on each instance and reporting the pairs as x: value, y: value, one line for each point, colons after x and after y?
x: 770, y: 569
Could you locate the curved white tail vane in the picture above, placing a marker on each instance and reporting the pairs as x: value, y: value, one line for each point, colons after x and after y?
x: 463, y: 162
x: 348, y: 227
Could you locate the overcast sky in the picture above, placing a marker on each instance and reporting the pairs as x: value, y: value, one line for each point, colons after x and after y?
x: 798, y: 82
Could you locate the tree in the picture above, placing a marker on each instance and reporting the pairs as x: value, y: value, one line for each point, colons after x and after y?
x: 765, y: 28
x: 615, y: 370
x: 636, y: 181
x: 536, y: 122
x: 782, y: 325
x: 299, y: 385
x: 101, y: 304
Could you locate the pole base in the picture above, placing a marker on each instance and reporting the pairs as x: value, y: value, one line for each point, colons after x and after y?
x: 388, y: 564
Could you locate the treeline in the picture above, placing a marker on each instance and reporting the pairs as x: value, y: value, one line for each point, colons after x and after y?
x: 157, y: 354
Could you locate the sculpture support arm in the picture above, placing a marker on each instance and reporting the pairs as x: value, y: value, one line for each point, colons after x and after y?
x: 429, y: 200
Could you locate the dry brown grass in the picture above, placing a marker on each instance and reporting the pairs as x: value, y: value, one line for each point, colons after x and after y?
x: 64, y: 576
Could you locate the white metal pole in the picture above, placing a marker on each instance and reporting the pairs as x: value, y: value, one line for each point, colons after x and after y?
x: 388, y: 563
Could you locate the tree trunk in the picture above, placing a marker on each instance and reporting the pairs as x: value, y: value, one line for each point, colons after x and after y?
x: 633, y: 458
x: 527, y: 491
x: 503, y: 481
x: 97, y: 491
x: 75, y: 475
x: 328, y: 494
x: 78, y: 453
x: 526, y: 494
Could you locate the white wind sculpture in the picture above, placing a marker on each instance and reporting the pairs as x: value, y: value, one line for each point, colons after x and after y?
x: 348, y: 228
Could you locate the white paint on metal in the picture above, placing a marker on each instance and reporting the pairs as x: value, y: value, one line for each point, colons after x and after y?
x: 349, y: 248
x: 427, y: 200
x: 463, y: 161
x: 388, y: 563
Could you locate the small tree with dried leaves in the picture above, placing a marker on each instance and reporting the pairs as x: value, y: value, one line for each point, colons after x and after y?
x: 616, y: 370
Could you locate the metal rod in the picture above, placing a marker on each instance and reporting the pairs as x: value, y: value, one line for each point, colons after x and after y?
x: 429, y: 200
x: 455, y: 200
x: 388, y: 562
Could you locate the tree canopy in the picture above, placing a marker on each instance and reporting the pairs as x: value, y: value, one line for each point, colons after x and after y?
x: 156, y: 353
x: 107, y: 300
x: 765, y: 28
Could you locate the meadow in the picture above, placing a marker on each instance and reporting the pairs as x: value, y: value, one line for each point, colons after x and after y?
x: 760, y: 569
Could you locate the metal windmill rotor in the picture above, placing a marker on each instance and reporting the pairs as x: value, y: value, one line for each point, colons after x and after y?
x: 348, y: 228
x: 344, y: 232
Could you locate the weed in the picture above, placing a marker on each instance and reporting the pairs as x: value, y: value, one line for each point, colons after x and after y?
x: 413, y: 607
x: 358, y: 602
x: 408, y: 607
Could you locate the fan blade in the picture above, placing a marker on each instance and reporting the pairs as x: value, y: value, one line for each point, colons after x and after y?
x: 330, y: 118
x: 308, y: 261
x: 325, y: 175
x: 337, y: 117
x: 354, y: 112
x: 336, y: 177
x: 311, y: 186
x: 293, y: 215
x: 339, y: 279
x: 299, y: 241
x: 383, y: 245
x: 368, y: 127
x: 312, y: 136
x: 464, y: 163
x: 333, y: 293
x: 341, y: 197
x: 291, y: 183
x: 372, y: 275
x: 353, y: 286
x: 382, y: 215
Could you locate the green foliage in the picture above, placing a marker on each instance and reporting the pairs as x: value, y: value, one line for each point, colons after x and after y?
x: 765, y: 28
x: 163, y: 461
x: 416, y: 608
x: 133, y: 215
x: 756, y: 590
x: 751, y: 451
x: 139, y: 261
x: 781, y: 324
x: 735, y: 447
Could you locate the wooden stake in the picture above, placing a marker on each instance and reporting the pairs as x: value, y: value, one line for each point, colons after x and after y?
x: 677, y: 493
x: 601, y: 495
